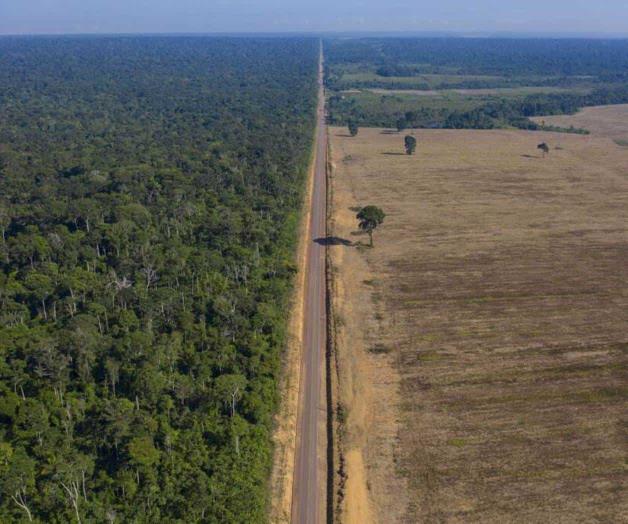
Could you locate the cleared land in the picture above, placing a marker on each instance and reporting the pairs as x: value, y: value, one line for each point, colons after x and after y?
x: 434, y: 80
x: 606, y: 121
x: 483, y: 341
x: 387, y: 107
x: 497, y: 91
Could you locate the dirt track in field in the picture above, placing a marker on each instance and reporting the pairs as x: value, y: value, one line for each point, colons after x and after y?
x: 484, y: 339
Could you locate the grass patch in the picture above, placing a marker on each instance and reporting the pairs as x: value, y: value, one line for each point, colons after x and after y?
x: 457, y: 442
x: 604, y: 394
x: 379, y: 349
x: 341, y: 413
x: 428, y: 356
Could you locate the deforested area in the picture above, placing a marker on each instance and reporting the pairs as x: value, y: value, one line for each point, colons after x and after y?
x: 483, y: 339
x: 149, y: 195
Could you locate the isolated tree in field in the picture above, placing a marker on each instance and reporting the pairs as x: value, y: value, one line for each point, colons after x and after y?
x: 369, y: 218
x: 410, y: 143
x: 543, y: 147
x: 353, y: 128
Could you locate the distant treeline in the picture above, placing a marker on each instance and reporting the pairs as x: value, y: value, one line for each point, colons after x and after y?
x: 607, y: 59
x: 505, y: 112
x: 517, y: 112
x: 597, y: 68
x: 339, y: 83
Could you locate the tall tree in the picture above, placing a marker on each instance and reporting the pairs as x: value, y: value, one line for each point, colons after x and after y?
x: 410, y: 144
x: 544, y: 148
x: 369, y: 218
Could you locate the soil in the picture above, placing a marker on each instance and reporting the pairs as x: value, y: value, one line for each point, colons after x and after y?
x: 484, y: 339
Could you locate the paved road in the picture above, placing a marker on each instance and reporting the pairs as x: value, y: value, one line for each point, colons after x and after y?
x: 307, y: 496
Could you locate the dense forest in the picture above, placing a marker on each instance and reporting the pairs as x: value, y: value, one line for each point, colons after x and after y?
x: 516, y: 113
x: 587, y: 72
x: 497, y: 113
x: 149, y: 192
x: 604, y: 59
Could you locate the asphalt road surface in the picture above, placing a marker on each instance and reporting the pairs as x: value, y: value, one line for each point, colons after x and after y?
x: 307, y: 496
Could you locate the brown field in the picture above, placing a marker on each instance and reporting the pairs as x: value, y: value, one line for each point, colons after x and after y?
x: 607, y: 121
x: 483, y: 341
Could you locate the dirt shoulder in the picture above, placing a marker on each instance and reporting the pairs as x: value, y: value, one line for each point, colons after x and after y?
x: 368, y: 382
x: 285, y: 435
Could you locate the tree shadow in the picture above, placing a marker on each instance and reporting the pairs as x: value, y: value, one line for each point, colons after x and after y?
x: 333, y: 241
x: 389, y: 132
x: 344, y: 135
x: 393, y: 153
x: 530, y: 156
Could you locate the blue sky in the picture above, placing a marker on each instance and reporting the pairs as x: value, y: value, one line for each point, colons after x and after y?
x: 115, y: 16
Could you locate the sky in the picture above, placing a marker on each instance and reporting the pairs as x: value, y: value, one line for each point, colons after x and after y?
x: 211, y: 16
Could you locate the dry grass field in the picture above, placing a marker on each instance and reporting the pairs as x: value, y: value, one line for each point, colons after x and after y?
x: 604, y: 121
x: 483, y: 341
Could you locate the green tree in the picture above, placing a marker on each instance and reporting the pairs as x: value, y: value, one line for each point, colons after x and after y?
x: 544, y: 148
x: 369, y: 218
x: 410, y: 144
x: 18, y: 478
x: 41, y: 287
x: 229, y: 389
x: 353, y: 128
x: 142, y: 451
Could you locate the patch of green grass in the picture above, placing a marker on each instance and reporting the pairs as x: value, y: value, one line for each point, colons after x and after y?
x: 341, y: 413
x: 379, y: 349
x: 622, y: 142
x: 399, y: 103
x: 428, y: 356
x: 604, y: 394
x: 383, y: 110
x: 427, y: 76
x: 432, y: 81
x: 426, y: 337
x: 457, y: 442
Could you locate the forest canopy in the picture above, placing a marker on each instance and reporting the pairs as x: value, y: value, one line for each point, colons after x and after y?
x: 484, y: 56
x: 149, y: 191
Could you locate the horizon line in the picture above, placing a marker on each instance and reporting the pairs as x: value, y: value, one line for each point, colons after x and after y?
x: 593, y: 35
